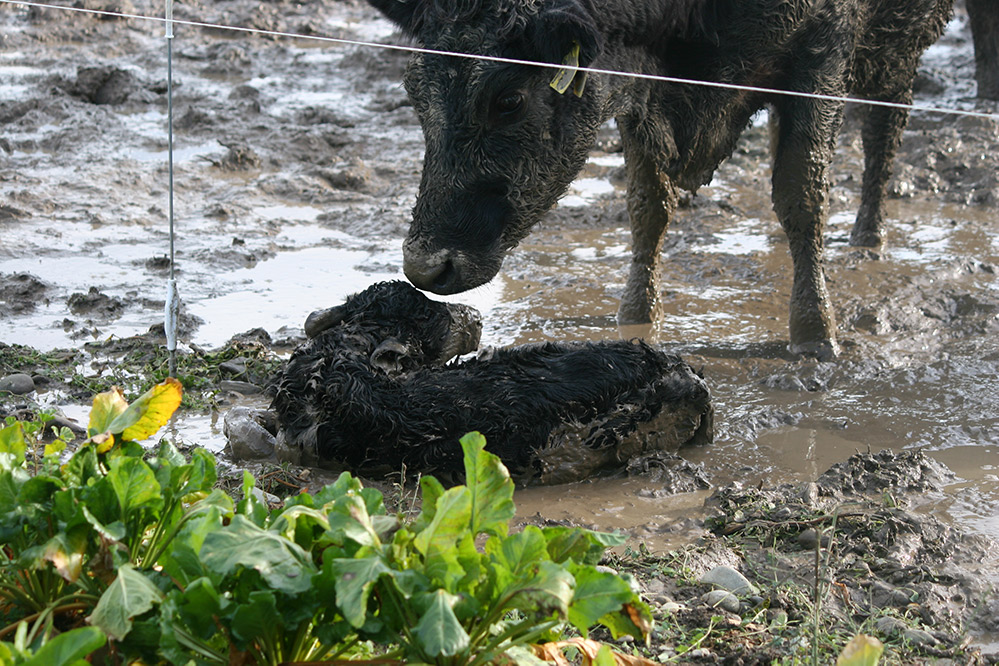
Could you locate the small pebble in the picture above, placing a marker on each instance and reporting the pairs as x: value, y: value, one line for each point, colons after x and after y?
x: 722, y: 599
x: 890, y: 626
x: 727, y: 578
x: 810, y: 537
x: 235, y: 367
x: 919, y: 637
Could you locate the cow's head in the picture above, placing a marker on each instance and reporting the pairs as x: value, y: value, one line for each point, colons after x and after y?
x: 501, y: 144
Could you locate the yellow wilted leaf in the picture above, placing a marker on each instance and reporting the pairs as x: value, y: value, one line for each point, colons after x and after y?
x: 861, y: 651
x: 104, y: 442
x: 593, y: 652
x: 65, y: 557
x: 151, y: 410
x: 107, y: 407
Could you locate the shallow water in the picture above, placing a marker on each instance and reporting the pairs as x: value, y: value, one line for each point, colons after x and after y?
x: 264, y: 246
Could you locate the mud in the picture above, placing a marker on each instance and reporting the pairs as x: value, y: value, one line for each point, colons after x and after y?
x: 872, y: 566
x: 297, y: 163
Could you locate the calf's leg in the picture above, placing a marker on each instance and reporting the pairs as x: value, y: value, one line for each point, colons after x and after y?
x: 803, y: 147
x: 652, y: 198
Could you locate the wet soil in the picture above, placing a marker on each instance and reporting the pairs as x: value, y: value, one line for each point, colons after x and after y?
x: 297, y: 163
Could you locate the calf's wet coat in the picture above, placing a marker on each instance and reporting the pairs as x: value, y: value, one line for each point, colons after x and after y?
x: 298, y: 164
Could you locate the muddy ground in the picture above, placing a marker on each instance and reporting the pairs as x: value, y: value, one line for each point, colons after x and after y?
x: 297, y: 163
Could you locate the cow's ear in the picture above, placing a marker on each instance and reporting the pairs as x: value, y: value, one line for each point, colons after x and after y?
x: 321, y: 320
x: 404, y: 13
x: 389, y: 356
x: 559, y: 28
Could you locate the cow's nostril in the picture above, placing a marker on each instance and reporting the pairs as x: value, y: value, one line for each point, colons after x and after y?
x: 445, y: 277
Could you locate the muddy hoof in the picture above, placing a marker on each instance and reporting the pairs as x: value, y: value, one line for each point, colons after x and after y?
x: 635, y: 314
x: 863, y: 238
x: 823, y: 350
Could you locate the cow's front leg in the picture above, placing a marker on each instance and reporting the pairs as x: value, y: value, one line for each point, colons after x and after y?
x: 802, y: 150
x: 652, y: 199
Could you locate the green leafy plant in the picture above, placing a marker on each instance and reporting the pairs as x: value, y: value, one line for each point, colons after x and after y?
x: 425, y: 584
x: 162, y: 566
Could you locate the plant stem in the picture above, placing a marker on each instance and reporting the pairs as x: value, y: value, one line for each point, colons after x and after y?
x: 80, y: 605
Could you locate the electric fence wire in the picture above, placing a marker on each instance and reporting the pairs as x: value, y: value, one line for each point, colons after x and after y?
x: 515, y: 61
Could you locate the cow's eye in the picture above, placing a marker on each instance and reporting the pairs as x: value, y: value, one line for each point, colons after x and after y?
x: 508, y: 105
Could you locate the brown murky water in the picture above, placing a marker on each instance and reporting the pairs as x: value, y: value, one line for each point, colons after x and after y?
x: 318, y: 204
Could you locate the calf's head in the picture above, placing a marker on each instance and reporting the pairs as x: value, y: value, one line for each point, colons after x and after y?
x: 398, y: 327
x: 501, y: 143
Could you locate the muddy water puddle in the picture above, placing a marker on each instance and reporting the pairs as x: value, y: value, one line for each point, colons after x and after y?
x: 319, y: 208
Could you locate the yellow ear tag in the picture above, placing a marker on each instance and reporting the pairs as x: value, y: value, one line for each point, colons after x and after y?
x: 565, y: 77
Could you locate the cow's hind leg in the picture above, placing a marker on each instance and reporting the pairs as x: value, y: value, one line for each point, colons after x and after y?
x: 882, y: 135
x: 652, y: 198
x: 984, y: 17
x: 802, y: 151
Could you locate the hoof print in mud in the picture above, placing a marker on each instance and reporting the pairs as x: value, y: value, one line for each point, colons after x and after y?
x: 374, y: 390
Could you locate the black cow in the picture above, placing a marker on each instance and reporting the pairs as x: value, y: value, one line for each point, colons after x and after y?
x: 502, y: 145
x: 369, y: 392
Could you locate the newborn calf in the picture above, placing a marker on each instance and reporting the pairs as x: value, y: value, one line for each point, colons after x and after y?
x: 370, y: 390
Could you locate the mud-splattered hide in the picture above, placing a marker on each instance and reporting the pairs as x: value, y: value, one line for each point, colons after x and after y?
x: 553, y: 412
x: 502, y: 145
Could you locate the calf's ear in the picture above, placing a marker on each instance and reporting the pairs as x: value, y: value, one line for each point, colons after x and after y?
x: 321, y: 320
x: 559, y: 27
x: 404, y: 13
x: 389, y: 356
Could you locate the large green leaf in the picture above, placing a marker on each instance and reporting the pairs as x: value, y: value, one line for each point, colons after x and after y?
x: 181, y: 559
x: 241, y: 544
x: 349, y: 520
x: 513, y: 557
x: 12, y: 441
x: 439, y: 541
x: 548, y: 591
x: 68, y: 648
x: 257, y: 620
x: 66, y: 552
x: 490, y: 485
x: 438, y: 631
x: 12, y: 479
x: 131, y: 594
x: 298, y: 518
x: 134, y: 485
x: 450, y: 523
x: 578, y: 544
x: 430, y: 491
x: 597, y: 593
x: 519, y: 552
x: 354, y: 580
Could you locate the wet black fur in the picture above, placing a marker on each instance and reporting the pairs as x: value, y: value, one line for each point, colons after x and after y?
x: 335, y: 408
